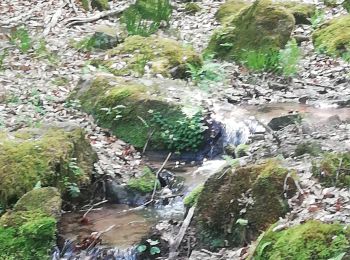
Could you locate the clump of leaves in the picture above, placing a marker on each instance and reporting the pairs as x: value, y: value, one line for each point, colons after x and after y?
x: 149, y: 247
x: 318, y: 18
x: 21, y: 38
x: 289, y: 58
x: 184, y: 134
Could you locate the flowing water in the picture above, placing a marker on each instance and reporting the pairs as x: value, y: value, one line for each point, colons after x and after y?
x: 131, y: 226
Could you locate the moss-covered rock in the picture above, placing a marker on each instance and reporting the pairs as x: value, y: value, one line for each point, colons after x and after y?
x: 46, y: 155
x: 333, y: 37
x: 47, y: 199
x: 301, y: 11
x: 229, y: 9
x: 333, y: 169
x: 237, y: 204
x: 262, y: 27
x: 132, y: 111
x: 165, y: 56
x: 311, y: 240
x: 29, y: 230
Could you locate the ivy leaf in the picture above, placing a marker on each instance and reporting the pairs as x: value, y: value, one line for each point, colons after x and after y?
x: 141, y: 248
x: 152, y: 242
x: 242, y: 222
x: 154, y: 250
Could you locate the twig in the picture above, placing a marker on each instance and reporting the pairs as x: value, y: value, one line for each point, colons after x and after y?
x: 96, y: 204
x: 80, y: 20
x: 157, y: 174
x: 270, y: 131
x: 174, y: 244
x: 99, y: 234
x: 74, y: 7
x: 338, y: 170
x: 148, y: 139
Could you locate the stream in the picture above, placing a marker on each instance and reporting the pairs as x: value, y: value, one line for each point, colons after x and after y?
x: 239, y: 123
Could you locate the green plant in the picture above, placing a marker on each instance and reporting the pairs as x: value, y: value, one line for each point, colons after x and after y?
x: 140, y: 63
x: 260, y: 60
x: 21, y: 38
x: 289, y: 58
x: 230, y: 161
x: 318, y: 18
x: 192, y: 198
x: 36, y: 101
x: 185, y: 134
x: 209, y: 72
x: 136, y: 25
x: 116, y: 111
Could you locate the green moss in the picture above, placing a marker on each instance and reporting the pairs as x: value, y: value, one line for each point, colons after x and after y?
x: 100, y: 4
x: 164, y: 54
x: 229, y: 9
x: 346, y: 5
x: 333, y: 37
x: 44, y: 157
x: 311, y: 240
x: 333, y: 169
x: 192, y: 8
x: 311, y: 148
x: 28, y: 231
x: 261, y: 27
x: 145, y: 183
x: 192, y: 197
x: 221, y: 204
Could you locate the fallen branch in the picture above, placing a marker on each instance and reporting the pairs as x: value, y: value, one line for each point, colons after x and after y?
x: 174, y: 244
x: 94, y: 205
x: 54, y: 19
x: 157, y: 174
x: 80, y: 20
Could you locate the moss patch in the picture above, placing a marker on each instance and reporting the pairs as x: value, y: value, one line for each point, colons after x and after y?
x: 261, y: 27
x: 311, y: 240
x: 144, y: 183
x: 333, y: 169
x: 192, y: 198
x: 302, y: 12
x: 29, y: 231
x: 253, y: 194
x: 333, y: 37
x: 229, y: 9
x: 42, y: 155
x: 168, y: 57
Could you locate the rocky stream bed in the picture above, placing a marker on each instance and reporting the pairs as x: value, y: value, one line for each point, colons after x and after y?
x: 174, y: 145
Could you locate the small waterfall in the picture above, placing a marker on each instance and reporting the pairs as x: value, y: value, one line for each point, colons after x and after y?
x: 238, y: 132
x: 68, y: 252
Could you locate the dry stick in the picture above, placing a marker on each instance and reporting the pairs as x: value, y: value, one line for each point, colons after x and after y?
x: 79, y: 20
x: 270, y: 131
x: 99, y: 234
x: 174, y: 244
x: 92, y: 206
x: 157, y: 174
x: 148, y: 139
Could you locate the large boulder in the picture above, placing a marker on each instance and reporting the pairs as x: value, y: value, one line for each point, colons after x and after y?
x: 52, y: 156
x: 311, y: 240
x: 133, y: 110
x: 229, y: 9
x: 262, y: 27
x: 235, y: 205
x: 163, y: 56
x: 333, y: 37
x: 29, y: 230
